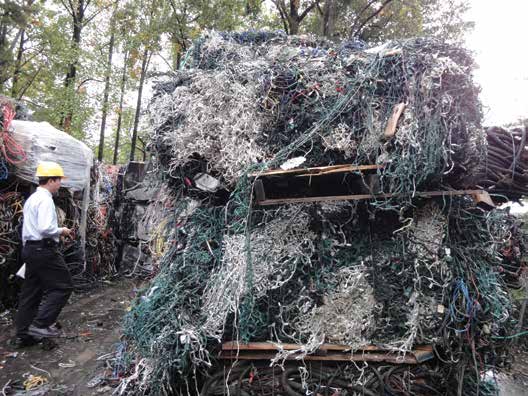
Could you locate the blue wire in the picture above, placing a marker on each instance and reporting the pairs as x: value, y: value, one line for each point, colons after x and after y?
x: 4, y: 172
x: 461, y: 289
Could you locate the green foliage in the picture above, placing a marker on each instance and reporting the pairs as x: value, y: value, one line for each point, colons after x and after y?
x: 396, y: 20
x: 189, y: 18
x: 14, y: 16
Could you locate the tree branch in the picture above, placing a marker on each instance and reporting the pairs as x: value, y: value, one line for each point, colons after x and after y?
x: 73, y: 8
x: 372, y: 16
x: 87, y: 80
x: 30, y: 57
x: 15, y: 40
x: 321, y: 12
x: 91, y: 17
x: 31, y: 102
x: 307, y: 10
x: 67, y: 8
x: 30, y: 82
x: 173, y: 5
x: 282, y: 14
x: 86, y: 5
x: 360, y: 13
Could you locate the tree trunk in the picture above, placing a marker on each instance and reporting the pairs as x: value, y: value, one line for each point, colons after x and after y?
x: 18, y: 64
x: 69, y: 81
x: 6, y: 49
x: 292, y: 16
x: 120, y: 114
x: 178, y: 61
x: 4, y: 56
x: 21, y: 38
x: 143, y: 149
x: 328, y: 19
x: 144, y: 66
x: 293, y: 26
x: 106, y: 95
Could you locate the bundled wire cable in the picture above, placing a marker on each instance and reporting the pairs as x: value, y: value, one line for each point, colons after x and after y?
x: 506, y: 169
x: 11, y: 150
x: 11, y: 204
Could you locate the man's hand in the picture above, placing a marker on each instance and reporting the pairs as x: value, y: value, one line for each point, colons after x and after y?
x: 66, y: 232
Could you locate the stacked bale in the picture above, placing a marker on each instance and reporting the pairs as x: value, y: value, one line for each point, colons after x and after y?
x: 395, y: 272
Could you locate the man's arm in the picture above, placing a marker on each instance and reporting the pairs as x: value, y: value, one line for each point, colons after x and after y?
x: 47, y: 220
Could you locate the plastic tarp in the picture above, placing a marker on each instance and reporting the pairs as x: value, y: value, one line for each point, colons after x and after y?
x: 42, y: 142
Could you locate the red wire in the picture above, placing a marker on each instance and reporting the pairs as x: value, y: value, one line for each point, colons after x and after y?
x: 13, y: 152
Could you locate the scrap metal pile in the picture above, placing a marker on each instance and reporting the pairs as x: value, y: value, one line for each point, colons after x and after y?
x: 395, y: 273
x: 139, y: 216
x: 22, y: 145
x: 10, y: 215
x: 99, y: 259
x: 11, y: 204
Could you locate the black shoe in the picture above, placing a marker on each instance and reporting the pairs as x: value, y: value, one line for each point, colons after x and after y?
x: 24, y: 342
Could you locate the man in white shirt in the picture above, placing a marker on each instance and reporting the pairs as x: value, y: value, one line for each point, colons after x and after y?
x: 48, y: 282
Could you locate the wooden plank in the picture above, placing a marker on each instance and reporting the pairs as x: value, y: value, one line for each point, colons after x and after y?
x: 390, y: 129
x: 339, y: 170
x: 319, y: 170
x: 424, y: 194
x: 267, y: 346
x: 483, y: 197
x: 332, y: 357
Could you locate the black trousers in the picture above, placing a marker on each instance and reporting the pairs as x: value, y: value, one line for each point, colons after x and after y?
x: 46, y: 289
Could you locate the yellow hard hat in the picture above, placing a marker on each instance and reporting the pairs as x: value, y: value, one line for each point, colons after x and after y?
x: 49, y: 169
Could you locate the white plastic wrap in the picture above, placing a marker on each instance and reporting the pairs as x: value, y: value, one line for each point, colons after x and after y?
x: 42, y: 142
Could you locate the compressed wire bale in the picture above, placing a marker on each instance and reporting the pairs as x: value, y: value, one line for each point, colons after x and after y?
x: 332, y: 321
x: 228, y: 142
x: 427, y: 232
x: 239, y: 104
x: 275, y: 250
x: 425, y: 236
x: 394, y: 273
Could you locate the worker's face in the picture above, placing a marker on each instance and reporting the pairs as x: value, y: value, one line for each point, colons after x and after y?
x: 54, y: 185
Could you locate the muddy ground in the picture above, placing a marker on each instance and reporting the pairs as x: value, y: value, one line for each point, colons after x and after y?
x: 92, y: 322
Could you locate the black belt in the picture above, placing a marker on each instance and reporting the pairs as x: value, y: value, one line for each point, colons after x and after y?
x: 43, y: 242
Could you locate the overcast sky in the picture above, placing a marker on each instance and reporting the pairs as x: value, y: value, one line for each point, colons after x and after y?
x: 499, y: 40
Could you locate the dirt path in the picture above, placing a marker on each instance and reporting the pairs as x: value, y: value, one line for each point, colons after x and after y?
x: 94, y: 322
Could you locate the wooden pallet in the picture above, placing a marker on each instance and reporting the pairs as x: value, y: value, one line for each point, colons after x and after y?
x: 364, y: 177
x: 327, y: 352
x: 356, y: 197
x: 317, y: 171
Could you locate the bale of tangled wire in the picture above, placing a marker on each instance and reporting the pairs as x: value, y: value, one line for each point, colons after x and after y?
x: 506, y: 168
x: 393, y: 273
x: 411, y: 105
